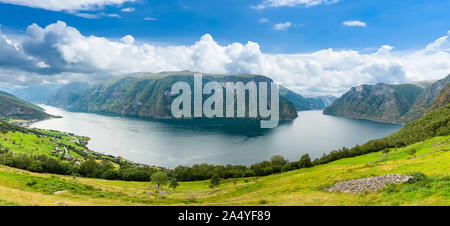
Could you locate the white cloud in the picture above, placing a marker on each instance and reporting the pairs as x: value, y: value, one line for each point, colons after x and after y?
x: 442, y: 43
x: 150, y: 18
x: 282, y: 26
x: 88, y: 15
x: 97, y: 15
x: 61, y: 53
x: 354, y: 23
x: 263, y: 20
x: 113, y: 15
x: 127, y: 39
x: 129, y: 9
x: 61, y: 5
x: 292, y: 3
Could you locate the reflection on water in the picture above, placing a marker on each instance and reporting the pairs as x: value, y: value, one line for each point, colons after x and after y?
x: 172, y: 144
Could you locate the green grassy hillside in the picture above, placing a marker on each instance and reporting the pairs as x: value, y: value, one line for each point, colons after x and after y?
x: 23, y: 143
x: 15, y: 108
x: 299, y: 187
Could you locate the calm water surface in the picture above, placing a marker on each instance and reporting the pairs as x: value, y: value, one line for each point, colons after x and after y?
x: 169, y: 145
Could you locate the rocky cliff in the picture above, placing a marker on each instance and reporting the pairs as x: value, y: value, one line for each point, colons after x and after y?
x: 425, y: 100
x: 442, y: 99
x: 387, y: 103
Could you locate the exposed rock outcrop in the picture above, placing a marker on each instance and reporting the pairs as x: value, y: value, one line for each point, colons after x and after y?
x: 370, y: 184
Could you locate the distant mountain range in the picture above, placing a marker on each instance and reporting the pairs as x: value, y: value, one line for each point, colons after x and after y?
x: 303, y: 103
x: 35, y: 94
x: 387, y: 103
x: 15, y: 108
x: 144, y: 94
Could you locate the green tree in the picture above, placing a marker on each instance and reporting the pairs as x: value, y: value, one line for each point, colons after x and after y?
x: 215, y: 180
x: 160, y: 178
x: 268, y: 171
x: 278, y: 160
x: 289, y: 166
x: 173, y: 184
x: 36, y: 166
x: 89, y: 167
x: 412, y: 152
x: 106, y: 165
x: 305, y: 161
x: 111, y: 174
x: 134, y: 174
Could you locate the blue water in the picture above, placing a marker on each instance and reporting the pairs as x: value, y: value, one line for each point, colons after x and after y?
x: 169, y: 145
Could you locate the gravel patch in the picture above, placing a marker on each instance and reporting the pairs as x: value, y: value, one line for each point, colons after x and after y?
x: 371, y: 184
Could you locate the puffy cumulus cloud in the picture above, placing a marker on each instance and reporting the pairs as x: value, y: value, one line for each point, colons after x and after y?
x: 13, y: 56
x: 60, y: 53
x: 291, y: 3
x: 59, y: 5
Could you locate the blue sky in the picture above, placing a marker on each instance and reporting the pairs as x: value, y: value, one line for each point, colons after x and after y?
x: 314, y: 47
x: 401, y: 23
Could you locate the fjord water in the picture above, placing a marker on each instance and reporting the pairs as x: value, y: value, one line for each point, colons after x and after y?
x: 170, y: 145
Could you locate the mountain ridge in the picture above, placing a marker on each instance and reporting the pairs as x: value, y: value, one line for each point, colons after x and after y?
x: 147, y: 94
x: 382, y: 102
x: 302, y: 103
x: 12, y: 107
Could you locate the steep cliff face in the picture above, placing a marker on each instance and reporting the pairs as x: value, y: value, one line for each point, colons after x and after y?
x: 380, y: 102
x: 387, y: 103
x: 425, y: 100
x: 148, y: 95
x: 442, y: 99
x: 68, y: 94
x: 15, y: 108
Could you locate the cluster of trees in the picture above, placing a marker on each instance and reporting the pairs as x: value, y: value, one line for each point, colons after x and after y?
x: 205, y: 171
x: 39, y: 163
x: 5, y: 127
x: 89, y: 168
x: 277, y: 163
